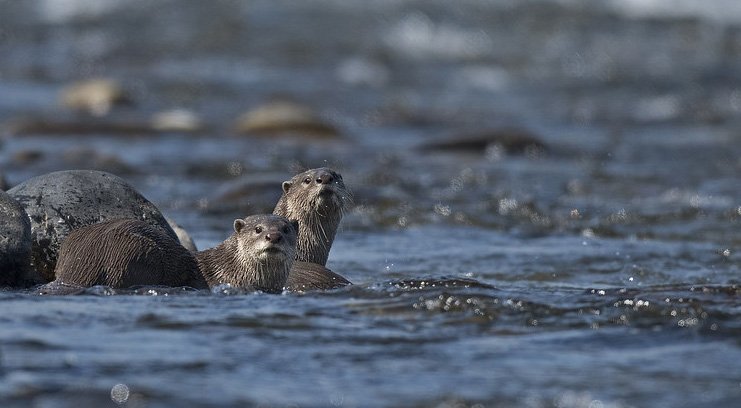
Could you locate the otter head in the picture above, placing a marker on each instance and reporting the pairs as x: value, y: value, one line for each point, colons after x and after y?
x: 266, y: 238
x: 266, y: 248
x: 319, y: 190
x: 317, y: 198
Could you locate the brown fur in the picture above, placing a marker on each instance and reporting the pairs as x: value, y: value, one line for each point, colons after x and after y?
x: 244, y: 259
x: 123, y: 253
x: 128, y: 252
x: 317, y: 198
x: 310, y: 276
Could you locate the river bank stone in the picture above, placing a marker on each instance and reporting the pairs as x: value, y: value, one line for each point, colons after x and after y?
x: 62, y: 201
x: 15, y: 245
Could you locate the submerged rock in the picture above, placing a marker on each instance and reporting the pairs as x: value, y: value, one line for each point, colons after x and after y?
x: 86, y: 158
x: 94, y: 96
x: 506, y: 140
x: 183, y: 236
x: 176, y: 120
x: 15, y: 245
x: 79, y: 127
x: 59, y: 202
x: 285, y: 117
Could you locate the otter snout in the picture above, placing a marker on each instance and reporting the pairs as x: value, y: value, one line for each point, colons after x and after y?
x: 324, y: 178
x: 274, y: 237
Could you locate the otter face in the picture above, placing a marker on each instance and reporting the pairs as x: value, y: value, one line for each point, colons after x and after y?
x: 267, y: 237
x: 319, y: 190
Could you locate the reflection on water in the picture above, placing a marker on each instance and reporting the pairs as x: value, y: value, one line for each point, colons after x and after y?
x: 547, y: 199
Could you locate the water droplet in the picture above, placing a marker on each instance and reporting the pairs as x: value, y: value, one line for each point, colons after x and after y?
x: 443, y: 210
x: 120, y: 393
x: 235, y: 168
x: 402, y: 221
x: 507, y: 205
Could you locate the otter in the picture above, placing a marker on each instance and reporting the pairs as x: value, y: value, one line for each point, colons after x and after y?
x: 317, y: 198
x: 129, y: 252
x: 259, y: 254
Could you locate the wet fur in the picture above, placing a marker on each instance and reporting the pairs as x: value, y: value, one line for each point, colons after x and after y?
x: 319, y: 217
x: 236, y: 262
x: 124, y: 253
x: 310, y: 276
x: 128, y: 252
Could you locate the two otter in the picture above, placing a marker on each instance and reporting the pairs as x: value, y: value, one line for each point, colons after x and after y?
x: 317, y: 198
x: 127, y: 252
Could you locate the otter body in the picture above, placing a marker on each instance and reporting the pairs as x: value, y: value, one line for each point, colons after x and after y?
x: 317, y: 198
x: 127, y: 252
x: 310, y: 276
x: 124, y: 253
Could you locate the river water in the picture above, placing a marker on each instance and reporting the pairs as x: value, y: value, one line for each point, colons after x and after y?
x: 597, y: 266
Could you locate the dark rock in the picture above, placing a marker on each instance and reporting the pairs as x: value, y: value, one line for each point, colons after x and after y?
x: 62, y: 201
x: 15, y: 245
x: 85, y: 158
x: 79, y: 127
x: 4, y: 184
x: 250, y: 194
x: 510, y: 140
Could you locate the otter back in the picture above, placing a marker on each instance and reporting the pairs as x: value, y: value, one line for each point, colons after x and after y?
x: 310, y: 276
x: 124, y: 253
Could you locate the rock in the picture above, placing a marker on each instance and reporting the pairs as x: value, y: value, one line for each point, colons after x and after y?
x: 26, y: 157
x: 4, y: 185
x: 94, y: 96
x: 79, y: 127
x: 176, y: 120
x: 509, y: 140
x: 284, y: 117
x: 61, y: 201
x: 15, y: 245
x: 183, y: 236
x: 86, y: 158
x: 250, y: 194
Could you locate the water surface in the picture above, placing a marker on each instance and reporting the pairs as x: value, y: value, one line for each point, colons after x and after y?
x: 598, y: 268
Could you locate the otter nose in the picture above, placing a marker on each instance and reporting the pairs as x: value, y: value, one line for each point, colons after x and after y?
x: 324, y: 178
x: 273, y: 237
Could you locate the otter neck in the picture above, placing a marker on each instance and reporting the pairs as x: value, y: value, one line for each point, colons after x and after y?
x: 316, y: 230
x: 227, y: 264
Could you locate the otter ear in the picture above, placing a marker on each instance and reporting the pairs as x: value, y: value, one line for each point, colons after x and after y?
x: 239, y: 225
x: 295, y: 225
x: 287, y: 186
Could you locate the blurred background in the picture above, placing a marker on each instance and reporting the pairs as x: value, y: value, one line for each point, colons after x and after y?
x: 584, y: 157
x: 461, y: 112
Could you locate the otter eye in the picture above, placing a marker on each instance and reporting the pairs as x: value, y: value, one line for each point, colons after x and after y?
x: 258, y: 230
x: 307, y: 180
